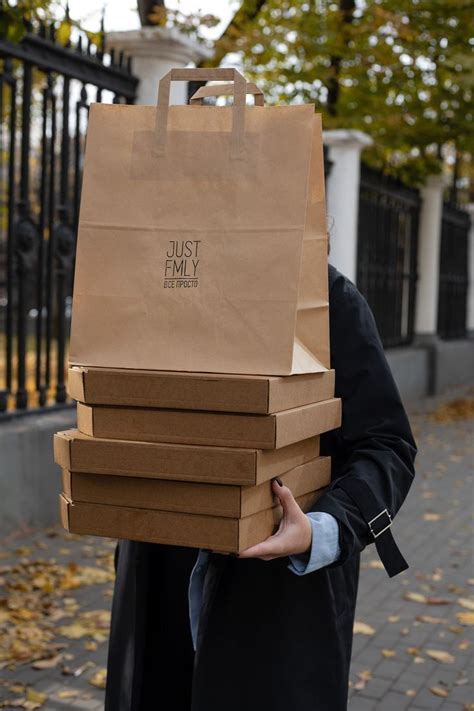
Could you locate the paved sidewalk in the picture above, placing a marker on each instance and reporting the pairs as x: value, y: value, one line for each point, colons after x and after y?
x: 426, y: 610
x: 413, y: 642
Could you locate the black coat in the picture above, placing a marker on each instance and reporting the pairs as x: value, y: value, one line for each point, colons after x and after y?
x: 269, y: 639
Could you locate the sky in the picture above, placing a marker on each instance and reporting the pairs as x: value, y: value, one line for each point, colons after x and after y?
x: 123, y: 15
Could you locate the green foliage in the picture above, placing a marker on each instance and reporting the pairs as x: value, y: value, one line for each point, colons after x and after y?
x: 63, y: 33
x: 190, y: 24
x: 400, y: 70
x: 14, y: 16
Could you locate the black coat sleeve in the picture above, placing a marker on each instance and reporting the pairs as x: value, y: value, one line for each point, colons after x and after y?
x: 374, y: 443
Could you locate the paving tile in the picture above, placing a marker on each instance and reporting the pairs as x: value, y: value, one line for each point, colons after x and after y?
x: 359, y: 703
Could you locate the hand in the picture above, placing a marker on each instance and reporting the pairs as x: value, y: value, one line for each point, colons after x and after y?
x: 294, y: 533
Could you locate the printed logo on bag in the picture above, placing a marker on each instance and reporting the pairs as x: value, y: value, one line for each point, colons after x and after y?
x: 181, y: 264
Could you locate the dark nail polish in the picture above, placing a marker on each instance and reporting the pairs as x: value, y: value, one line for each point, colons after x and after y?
x: 278, y: 481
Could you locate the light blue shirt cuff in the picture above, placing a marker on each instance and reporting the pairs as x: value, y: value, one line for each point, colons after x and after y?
x: 324, y: 547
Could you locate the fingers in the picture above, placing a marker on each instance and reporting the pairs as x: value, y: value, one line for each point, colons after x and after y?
x: 272, y: 546
x: 292, y: 534
x: 288, y: 502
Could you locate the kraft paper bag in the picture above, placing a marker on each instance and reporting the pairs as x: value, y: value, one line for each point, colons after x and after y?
x: 202, y: 239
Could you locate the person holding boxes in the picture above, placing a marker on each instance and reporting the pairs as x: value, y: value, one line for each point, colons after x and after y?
x: 205, y: 340
x: 273, y: 625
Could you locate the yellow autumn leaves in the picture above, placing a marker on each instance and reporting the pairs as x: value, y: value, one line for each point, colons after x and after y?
x: 37, y: 603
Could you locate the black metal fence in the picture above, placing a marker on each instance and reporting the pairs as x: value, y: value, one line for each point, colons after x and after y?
x: 387, y: 253
x: 453, y: 273
x: 45, y: 91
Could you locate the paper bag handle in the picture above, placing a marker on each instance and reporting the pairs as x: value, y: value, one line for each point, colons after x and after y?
x: 238, y: 109
x: 226, y: 90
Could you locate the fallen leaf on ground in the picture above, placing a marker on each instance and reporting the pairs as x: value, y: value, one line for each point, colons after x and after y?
x: 23, y: 550
x: 428, y: 619
x: 67, y: 694
x: 415, y: 597
x: 388, y: 653
x: 363, y: 628
x: 459, y: 409
x: 47, y: 663
x: 67, y: 671
x: 74, y: 631
x: 363, y: 678
x: 375, y: 564
x: 34, y: 602
x: 35, y: 697
x: 465, y: 618
x: 466, y: 602
x: 393, y: 618
x: 439, y: 691
x: 432, y: 517
x: 99, y: 679
x: 440, y: 656
x: 432, y: 600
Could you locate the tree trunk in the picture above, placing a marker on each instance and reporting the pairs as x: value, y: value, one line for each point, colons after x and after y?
x: 144, y: 9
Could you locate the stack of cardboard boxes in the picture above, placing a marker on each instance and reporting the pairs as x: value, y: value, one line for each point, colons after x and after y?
x: 188, y: 458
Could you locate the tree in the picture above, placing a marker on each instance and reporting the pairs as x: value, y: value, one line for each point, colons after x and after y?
x: 16, y: 16
x: 19, y: 16
x: 400, y: 70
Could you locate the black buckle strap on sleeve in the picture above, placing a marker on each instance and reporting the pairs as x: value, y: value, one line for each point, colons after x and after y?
x: 378, y: 521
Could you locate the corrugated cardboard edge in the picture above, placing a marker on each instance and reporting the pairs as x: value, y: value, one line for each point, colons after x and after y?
x: 73, y: 444
x: 76, y: 383
x: 197, y: 498
x: 140, y: 424
x: 85, y: 419
x: 62, y: 443
x: 141, y: 525
x: 298, y: 390
x: 327, y: 412
x: 265, y: 469
x: 64, y: 505
x: 82, y: 382
x: 66, y: 479
x: 301, y: 480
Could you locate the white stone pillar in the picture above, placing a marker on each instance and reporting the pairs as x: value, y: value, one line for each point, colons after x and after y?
x: 470, y: 273
x: 154, y: 51
x: 429, y: 241
x: 342, y: 198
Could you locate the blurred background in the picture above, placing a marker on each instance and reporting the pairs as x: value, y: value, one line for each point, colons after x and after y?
x: 394, y: 84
